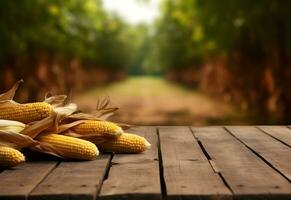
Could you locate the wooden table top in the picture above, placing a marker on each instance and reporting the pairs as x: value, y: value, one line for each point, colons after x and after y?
x: 184, y: 163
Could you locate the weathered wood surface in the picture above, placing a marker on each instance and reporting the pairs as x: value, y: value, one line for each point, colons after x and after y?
x: 279, y: 132
x: 233, y: 162
x: 187, y: 172
x: 275, y: 153
x: 246, y: 174
x: 73, y: 180
x: 18, y: 182
x: 135, y: 176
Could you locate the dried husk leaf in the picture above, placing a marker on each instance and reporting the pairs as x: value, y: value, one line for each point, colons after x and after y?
x: 9, y: 95
x: 103, y: 111
x: 124, y: 126
x: 49, y: 123
x: 16, y: 140
x: 80, y: 118
x: 84, y: 116
x: 57, y: 100
x: 66, y: 110
x: 10, y: 125
x: 65, y: 127
x: 96, y: 139
x: 8, y: 103
x: 47, y: 149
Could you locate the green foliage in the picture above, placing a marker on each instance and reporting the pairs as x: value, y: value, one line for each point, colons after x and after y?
x: 190, y: 30
x: 70, y: 29
x: 244, y: 46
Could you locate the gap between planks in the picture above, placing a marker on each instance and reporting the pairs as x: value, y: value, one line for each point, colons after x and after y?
x: 246, y: 174
x: 163, y: 170
x: 18, y: 182
x: 187, y: 172
x: 280, y: 133
x: 73, y: 180
x: 134, y: 176
x: 269, y: 149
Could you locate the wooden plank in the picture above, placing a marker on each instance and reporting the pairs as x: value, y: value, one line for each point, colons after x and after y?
x: 134, y: 176
x: 187, y: 172
x: 18, y: 182
x: 281, y: 133
x: 248, y: 176
x: 73, y: 180
x: 273, y: 151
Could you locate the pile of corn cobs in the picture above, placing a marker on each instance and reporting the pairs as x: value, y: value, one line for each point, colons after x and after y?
x: 56, y: 127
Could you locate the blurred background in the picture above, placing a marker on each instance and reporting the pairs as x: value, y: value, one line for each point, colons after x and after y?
x: 163, y: 62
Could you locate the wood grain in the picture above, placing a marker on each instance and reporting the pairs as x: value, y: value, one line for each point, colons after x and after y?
x: 187, y: 172
x: 273, y: 151
x: 18, y: 182
x: 73, y: 180
x: 205, y: 163
x: 281, y: 133
x: 134, y: 176
x: 248, y: 176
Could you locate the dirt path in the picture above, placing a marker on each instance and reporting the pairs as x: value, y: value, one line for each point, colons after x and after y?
x: 154, y: 101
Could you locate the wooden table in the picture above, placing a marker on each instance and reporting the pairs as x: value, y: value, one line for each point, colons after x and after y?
x: 183, y: 163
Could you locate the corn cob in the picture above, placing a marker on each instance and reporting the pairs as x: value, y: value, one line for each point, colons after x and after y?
x: 10, y: 157
x: 125, y: 143
x: 69, y: 147
x: 98, y: 128
x: 26, y: 113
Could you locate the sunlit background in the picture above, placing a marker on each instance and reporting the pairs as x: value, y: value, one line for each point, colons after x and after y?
x: 163, y: 62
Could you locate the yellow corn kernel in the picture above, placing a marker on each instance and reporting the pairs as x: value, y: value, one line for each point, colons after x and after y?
x: 98, y: 128
x: 69, y: 147
x: 10, y: 157
x: 125, y: 143
x: 26, y: 113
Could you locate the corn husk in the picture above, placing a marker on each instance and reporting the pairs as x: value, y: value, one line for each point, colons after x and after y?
x: 66, y: 128
x: 103, y: 112
x: 60, y: 103
x: 47, y: 149
x: 81, y: 117
x: 10, y: 125
x: 50, y: 123
x: 10, y: 135
x: 9, y: 95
